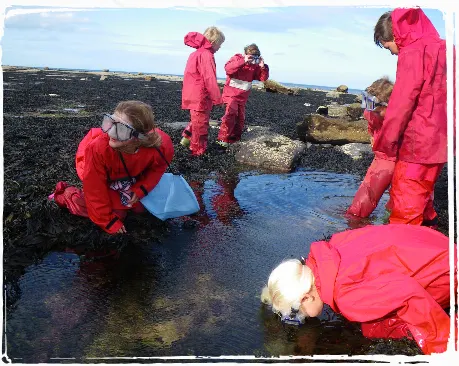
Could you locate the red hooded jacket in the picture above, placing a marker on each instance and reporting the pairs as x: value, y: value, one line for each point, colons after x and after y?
x: 237, y: 68
x: 200, y: 89
x: 392, y: 278
x: 415, y: 124
x: 97, y: 164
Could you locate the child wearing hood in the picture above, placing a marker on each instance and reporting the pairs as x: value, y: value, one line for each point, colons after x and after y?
x: 200, y: 89
x: 413, y: 134
x: 241, y: 70
x: 380, y: 172
x: 394, y: 279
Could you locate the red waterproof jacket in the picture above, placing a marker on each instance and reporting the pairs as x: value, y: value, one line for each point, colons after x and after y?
x: 392, y: 278
x: 237, y: 68
x: 415, y: 124
x: 98, y: 164
x: 200, y: 89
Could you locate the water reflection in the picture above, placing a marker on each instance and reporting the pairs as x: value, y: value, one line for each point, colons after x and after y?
x: 223, y: 204
x: 197, y: 291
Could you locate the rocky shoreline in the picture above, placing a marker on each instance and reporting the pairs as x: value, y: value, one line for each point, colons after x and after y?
x: 47, y: 112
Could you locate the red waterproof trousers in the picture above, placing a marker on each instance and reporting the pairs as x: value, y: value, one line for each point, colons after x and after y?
x: 411, y: 193
x: 232, y: 122
x: 197, y: 131
x: 376, y: 181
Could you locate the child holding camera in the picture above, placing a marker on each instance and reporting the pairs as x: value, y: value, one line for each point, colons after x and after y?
x: 241, y: 70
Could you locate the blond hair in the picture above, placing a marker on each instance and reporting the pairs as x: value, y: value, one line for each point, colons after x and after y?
x: 287, y: 285
x: 252, y: 49
x: 142, y: 118
x: 214, y: 35
x: 381, y: 89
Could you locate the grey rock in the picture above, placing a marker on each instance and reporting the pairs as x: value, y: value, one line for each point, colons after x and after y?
x: 355, y: 150
x: 268, y: 150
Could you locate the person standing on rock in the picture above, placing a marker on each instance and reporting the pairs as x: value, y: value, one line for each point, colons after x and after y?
x: 200, y: 88
x: 394, y: 279
x: 379, y: 174
x: 241, y: 70
x: 414, y: 130
x: 119, y: 164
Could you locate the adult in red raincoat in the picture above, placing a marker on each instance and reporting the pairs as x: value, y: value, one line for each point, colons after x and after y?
x: 118, y: 165
x: 241, y: 70
x: 394, y: 279
x: 415, y: 124
x: 200, y: 89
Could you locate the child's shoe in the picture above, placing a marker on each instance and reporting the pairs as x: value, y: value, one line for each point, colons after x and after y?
x: 185, y: 142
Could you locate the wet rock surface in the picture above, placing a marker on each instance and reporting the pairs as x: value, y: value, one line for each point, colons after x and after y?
x: 264, y: 149
x: 41, y: 138
x: 337, y: 131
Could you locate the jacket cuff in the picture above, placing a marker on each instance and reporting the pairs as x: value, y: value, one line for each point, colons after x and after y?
x: 140, y: 191
x: 113, y: 226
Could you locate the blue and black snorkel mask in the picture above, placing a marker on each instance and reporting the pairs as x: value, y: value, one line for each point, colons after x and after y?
x: 294, y: 318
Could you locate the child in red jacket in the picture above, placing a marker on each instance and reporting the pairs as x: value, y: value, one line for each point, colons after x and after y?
x: 200, y: 89
x: 240, y: 72
x: 118, y: 164
x: 380, y: 172
x: 414, y: 130
x: 394, y: 279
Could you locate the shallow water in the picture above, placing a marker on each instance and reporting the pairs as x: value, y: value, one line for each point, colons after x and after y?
x: 196, y: 292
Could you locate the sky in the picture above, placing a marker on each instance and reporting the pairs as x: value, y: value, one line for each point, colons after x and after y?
x: 316, y: 45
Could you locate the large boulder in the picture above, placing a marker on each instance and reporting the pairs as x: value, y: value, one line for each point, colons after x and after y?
x: 265, y: 149
x: 336, y: 110
x: 336, y: 131
x: 342, y: 89
x: 275, y: 87
x: 354, y: 111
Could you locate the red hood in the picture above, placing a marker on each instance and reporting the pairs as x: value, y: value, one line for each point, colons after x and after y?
x: 324, y: 262
x: 411, y: 24
x: 197, y: 40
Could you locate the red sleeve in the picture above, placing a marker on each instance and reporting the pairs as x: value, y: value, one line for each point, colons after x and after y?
x: 96, y: 194
x: 403, y: 100
x: 374, y: 121
x: 262, y: 73
x: 79, y: 157
x: 155, y: 171
x: 234, y: 64
x: 401, y: 297
x: 209, y: 75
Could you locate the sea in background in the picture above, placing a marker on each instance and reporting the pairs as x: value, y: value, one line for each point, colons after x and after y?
x: 290, y: 85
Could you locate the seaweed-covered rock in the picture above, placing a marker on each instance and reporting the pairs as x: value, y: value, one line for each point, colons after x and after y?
x: 354, y: 111
x: 336, y: 110
x: 319, y: 129
x: 275, y: 87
